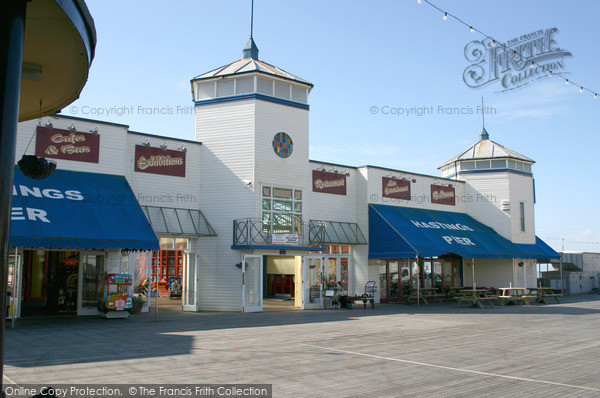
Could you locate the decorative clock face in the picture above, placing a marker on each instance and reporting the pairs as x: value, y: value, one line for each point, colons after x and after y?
x: 283, y: 145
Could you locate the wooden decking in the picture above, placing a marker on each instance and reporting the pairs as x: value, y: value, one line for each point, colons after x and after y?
x: 394, y: 350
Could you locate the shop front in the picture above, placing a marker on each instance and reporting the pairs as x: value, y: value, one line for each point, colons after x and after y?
x: 172, y: 271
x: 68, y: 232
x: 425, y: 249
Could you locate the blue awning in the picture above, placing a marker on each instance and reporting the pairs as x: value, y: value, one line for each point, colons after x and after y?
x: 401, y: 232
x: 76, y: 210
x: 540, y: 250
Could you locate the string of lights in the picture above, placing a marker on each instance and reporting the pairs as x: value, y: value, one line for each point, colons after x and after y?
x: 575, y: 241
x: 516, y: 54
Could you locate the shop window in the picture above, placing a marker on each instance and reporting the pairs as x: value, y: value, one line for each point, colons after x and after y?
x: 166, y: 243
x: 345, y: 249
x: 171, y: 268
x: 182, y: 243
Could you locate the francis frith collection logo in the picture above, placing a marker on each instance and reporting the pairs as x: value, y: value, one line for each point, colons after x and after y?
x: 510, y: 64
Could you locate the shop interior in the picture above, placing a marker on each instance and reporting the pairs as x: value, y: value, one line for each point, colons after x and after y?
x: 398, y: 276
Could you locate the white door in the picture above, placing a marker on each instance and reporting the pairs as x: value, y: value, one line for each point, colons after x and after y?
x: 312, y: 282
x: 91, y: 270
x: 252, y: 283
x: 189, y: 294
x: 14, y: 286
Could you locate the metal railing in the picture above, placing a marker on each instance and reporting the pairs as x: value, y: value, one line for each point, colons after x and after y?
x: 253, y: 231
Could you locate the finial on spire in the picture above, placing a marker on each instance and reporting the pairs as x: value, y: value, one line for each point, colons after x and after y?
x: 484, y: 133
x: 251, y: 50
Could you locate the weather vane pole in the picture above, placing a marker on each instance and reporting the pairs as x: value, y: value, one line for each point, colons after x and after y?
x: 252, y: 19
x: 482, y: 113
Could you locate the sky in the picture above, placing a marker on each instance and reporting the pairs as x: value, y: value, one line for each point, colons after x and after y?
x: 372, y: 62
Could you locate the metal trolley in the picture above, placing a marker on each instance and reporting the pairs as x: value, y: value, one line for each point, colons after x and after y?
x: 367, y: 297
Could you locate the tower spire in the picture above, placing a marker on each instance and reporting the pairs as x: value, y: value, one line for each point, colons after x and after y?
x: 484, y: 133
x: 251, y: 50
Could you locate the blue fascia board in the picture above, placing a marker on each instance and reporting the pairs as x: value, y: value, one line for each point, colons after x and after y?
x: 505, y: 170
x: 273, y: 247
x: 257, y: 96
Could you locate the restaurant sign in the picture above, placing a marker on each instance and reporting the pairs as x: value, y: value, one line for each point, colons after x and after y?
x: 285, y: 239
x: 396, y: 189
x: 66, y: 144
x: 326, y: 182
x: 442, y: 195
x: 159, y: 161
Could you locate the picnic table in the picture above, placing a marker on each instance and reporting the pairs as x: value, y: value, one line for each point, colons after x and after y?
x: 423, y: 294
x: 515, y: 295
x: 543, y: 293
x: 475, y: 297
x: 452, y: 291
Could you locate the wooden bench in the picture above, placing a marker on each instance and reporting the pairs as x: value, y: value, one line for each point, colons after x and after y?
x: 517, y: 298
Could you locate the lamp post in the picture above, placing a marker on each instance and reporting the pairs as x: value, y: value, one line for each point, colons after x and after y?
x: 12, y: 36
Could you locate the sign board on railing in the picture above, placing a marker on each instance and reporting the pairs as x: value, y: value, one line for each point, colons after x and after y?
x: 285, y: 239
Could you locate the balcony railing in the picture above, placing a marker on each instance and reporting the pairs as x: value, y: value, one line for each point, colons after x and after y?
x: 252, y: 231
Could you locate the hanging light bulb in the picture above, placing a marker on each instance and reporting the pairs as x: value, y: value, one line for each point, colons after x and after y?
x: 515, y: 55
x: 445, y: 16
x: 595, y: 96
x: 550, y: 74
x: 567, y: 81
x: 472, y: 29
x: 532, y: 65
x: 581, y: 89
x: 419, y: 1
x: 493, y: 43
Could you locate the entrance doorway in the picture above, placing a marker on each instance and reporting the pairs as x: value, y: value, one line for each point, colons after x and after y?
x: 60, y: 282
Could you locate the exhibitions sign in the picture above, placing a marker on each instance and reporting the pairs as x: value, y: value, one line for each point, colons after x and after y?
x: 67, y: 145
x: 442, y: 195
x: 159, y: 161
x: 326, y: 182
x: 394, y: 188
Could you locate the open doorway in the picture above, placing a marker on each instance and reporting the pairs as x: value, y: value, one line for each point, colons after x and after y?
x: 50, y: 283
x: 283, y: 283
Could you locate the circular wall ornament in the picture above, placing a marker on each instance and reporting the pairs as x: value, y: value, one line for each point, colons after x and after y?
x: 283, y: 145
